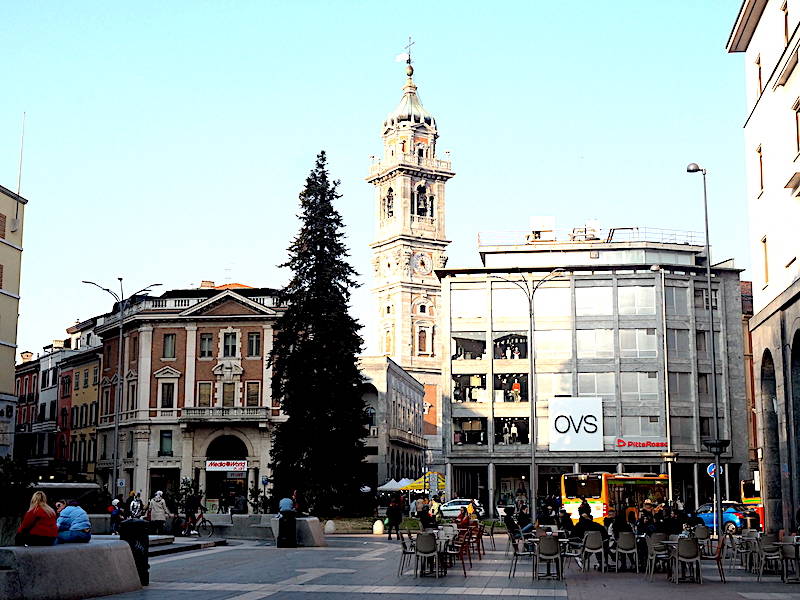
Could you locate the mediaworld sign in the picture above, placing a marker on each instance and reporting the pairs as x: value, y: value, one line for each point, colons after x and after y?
x: 226, y: 465
x: 576, y: 424
x: 641, y: 443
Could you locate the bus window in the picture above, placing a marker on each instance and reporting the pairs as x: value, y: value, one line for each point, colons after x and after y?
x: 749, y: 489
x: 589, y: 486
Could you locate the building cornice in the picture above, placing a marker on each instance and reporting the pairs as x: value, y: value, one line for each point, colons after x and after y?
x: 786, y: 297
x: 746, y: 23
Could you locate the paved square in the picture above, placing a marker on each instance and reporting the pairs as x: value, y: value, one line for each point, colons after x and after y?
x: 363, y: 567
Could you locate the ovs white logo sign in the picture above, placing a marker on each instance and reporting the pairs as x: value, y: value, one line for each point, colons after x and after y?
x: 576, y: 424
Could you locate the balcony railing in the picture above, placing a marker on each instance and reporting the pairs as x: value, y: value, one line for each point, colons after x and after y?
x: 401, y: 435
x: 226, y: 413
x: 409, y: 159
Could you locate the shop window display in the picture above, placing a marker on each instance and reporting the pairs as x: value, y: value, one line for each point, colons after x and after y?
x: 469, y: 388
x: 511, y: 387
x: 468, y: 345
x: 509, y: 431
x: 510, y: 345
x: 468, y: 430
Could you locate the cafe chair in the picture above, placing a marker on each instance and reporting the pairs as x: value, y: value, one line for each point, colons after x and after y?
x: 656, y: 554
x: 458, y: 550
x: 789, y: 555
x: 703, y: 538
x: 427, y: 550
x: 519, y: 552
x: 626, y: 545
x: 593, y: 544
x: 687, y: 553
x: 719, y: 556
x: 768, y: 552
x: 548, y: 550
x: 407, y: 552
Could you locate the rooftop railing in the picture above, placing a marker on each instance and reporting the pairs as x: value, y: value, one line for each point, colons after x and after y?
x: 587, y: 234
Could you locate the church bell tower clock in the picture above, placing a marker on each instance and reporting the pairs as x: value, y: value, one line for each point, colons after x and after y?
x: 410, y: 243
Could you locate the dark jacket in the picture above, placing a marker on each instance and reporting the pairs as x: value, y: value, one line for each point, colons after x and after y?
x: 394, y: 513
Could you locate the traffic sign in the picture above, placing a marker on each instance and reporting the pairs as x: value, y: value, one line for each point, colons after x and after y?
x: 264, y: 480
x: 120, y: 484
x: 711, y: 469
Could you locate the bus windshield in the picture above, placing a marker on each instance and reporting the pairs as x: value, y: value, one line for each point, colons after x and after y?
x: 589, y: 486
x: 749, y: 489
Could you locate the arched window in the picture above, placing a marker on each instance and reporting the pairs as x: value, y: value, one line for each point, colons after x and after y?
x: 422, y: 341
x: 431, y: 203
x: 423, y: 309
x: 403, y: 146
x: 388, y: 204
x: 422, y: 202
x: 387, y: 342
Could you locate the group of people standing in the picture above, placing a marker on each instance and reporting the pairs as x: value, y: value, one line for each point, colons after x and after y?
x: 43, y: 525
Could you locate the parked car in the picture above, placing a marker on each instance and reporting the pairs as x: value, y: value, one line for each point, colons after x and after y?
x: 734, y: 516
x: 451, y: 509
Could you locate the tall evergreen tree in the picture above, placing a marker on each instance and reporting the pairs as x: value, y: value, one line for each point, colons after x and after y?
x: 319, y: 449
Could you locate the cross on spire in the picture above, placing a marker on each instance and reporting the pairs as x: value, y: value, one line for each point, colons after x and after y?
x: 408, y: 50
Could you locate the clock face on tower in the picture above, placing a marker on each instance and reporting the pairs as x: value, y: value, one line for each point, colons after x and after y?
x: 422, y: 263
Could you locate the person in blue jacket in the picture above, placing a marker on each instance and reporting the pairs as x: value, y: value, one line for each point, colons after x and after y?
x: 73, y: 524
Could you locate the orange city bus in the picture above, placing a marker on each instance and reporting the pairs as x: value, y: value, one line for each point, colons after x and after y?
x: 622, y: 491
x: 751, y: 498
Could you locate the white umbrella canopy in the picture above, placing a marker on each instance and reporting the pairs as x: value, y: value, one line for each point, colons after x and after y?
x: 389, y: 486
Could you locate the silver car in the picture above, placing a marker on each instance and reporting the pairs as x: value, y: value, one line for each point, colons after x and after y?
x: 451, y: 509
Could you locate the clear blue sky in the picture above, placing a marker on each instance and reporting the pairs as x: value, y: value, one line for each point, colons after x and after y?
x: 168, y: 141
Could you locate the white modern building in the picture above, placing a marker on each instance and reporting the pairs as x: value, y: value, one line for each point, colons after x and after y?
x: 617, y: 341
x: 766, y: 31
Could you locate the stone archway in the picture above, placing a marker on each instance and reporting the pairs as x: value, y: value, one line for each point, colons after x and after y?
x: 226, y: 486
x: 771, y: 494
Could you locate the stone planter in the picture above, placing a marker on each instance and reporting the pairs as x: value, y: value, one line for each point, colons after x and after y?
x: 8, y: 529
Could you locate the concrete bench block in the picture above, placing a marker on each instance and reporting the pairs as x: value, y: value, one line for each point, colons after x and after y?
x: 309, y: 531
x: 67, y: 571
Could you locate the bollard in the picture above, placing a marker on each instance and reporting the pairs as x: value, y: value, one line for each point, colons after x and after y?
x: 135, y: 532
x: 377, y: 527
x: 330, y: 526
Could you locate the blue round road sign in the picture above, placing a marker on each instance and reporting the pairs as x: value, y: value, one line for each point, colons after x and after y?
x: 711, y: 469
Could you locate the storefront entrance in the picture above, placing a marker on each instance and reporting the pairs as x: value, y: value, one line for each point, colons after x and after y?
x: 224, y: 486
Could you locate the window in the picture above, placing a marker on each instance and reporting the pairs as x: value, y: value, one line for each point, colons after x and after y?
x: 596, y: 384
x: 509, y: 431
x: 86, y: 378
x: 106, y: 401
x: 553, y: 344
x: 206, y: 345
x: 677, y: 300
x: 228, y: 394
x: 45, y: 378
x: 77, y: 383
x: 469, y: 430
x: 2, y: 226
x: 388, y: 309
x: 254, y: 344
x: 131, y: 400
x: 469, y: 303
x: 641, y: 426
x: 701, y: 298
x: 388, y: 204
x: 682, y: 430
x: 168, y: 395
x: 135, y: 352
x: 165, y: 443
x: 469, y: 388
x: 637, y: 343
x: 638, y: 387
x: 760, y: 169
x: 96, y: 374
x: 253, y: 393
x: 169, y: 345
x: 204, y: 394
x: 549, y: 385
x: 66, y: 385
x: 551, y: 302
x: 765, y: 259
x: 678, y: 343
x: 511, y: 387
x: 229, y: 345
x: 595, y: 343
x: 507, y: 302
x: 423, y: 309
x: 593, y: 301
x: 422, y: 341
x: 510, y: 345
x: 468, y: 345
x: 637, y: 300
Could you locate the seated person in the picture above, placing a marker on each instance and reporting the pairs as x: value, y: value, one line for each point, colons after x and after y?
x: 73, y: 524
x: 524, y: 520
x: 511, y: 523
x: 565, y: 522
x: 586, y: 524
x: 547, y: 516
x: 426, y: 519
x: 463, y: 519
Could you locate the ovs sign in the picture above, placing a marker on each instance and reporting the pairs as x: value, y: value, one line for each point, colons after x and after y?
x: 576, y: 424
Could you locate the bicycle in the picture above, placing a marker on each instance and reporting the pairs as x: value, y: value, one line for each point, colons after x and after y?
x: 200, y: 526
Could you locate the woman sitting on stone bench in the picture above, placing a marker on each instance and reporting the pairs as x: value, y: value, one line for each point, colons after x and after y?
x: 38, y: 526
x: 73, y: 523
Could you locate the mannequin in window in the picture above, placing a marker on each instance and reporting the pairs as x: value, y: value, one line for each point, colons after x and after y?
x: 506, y: 434
x: 516, y: 353
x: 514, y: 433
x: 507, y: 352
x: 516, y: 390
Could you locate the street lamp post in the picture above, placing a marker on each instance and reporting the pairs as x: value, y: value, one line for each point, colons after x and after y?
x: 122, y: 303
x: 717, y: 446
x: 529, y: 288
x: 669, y: 457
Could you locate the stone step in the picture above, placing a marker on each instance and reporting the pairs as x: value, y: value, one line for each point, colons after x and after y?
x: 188, y: 546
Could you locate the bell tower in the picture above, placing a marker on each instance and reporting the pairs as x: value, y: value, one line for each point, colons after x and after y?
x: 410, y: 243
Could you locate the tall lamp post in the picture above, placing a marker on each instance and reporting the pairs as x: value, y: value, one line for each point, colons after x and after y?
x: 122, y: 303
x: 529, y: 288
x: 717, y: 445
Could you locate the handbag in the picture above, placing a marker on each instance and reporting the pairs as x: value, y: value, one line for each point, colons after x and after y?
x: 386, y: 521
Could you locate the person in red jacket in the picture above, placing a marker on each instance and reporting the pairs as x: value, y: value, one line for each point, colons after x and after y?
x: 38, y: 526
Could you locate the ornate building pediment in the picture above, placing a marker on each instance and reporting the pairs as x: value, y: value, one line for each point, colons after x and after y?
x: 167, y: 373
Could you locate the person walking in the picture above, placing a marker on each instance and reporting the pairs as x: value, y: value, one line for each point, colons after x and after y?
x: 136, y: 508
x: 116, y: 516
x: 38, y: 527
x: 73, y: 523
x: 158, y: 512
x: 394, y: 516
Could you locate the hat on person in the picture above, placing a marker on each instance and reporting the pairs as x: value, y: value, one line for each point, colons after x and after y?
x: 648, y: 502
x: 114, y: 502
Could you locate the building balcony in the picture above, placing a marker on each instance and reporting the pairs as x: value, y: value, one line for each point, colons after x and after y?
x: 409, y: 159
x: 226, y: 413
x: 44, y: 426
x: 403, y: 436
